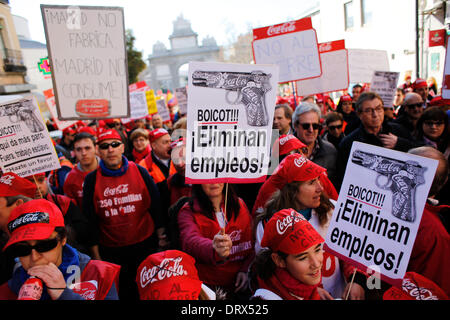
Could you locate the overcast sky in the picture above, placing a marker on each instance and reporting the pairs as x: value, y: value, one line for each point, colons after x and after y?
x: 152, y: 21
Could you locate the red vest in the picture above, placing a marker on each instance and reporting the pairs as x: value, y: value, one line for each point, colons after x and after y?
x: 122, y: 204
x: 96, y: 280
x: 73, y: 186
x: 177, y: 192
x: 240, y: 231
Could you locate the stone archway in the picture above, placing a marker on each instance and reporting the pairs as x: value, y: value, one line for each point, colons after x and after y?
x: 164, y: 64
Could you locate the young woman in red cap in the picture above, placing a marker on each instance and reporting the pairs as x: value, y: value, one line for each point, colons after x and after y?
x: 290, y: 267
x: 38, y: 239
x: 300, y: 188
x: 219, y: 240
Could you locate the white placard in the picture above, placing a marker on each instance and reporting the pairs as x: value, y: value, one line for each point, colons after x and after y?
x: 375, y: 221
x: 292, y: 46
x: 163, y: 111
x: 26, y: 147
x: 181, y: 95
x: 334, y: 59
x: 363, y: 62
x: 385, y: 84
x: 87, y: 53
x: 229, y: 123
x: 138, y: 105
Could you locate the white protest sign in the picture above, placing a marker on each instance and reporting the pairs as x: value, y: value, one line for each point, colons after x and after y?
x: 446, y: 78
x: 292, y: 46
x: 375, y: 221
x: 25, y: 144
x: 229, y: 123
x: 385, y: 84
x: 363, y: 62
x: 334, y: 59
x: 51, y: 104
x: 87, y: 53
x: 163, y: 111
x: 138, y: 105
x: 181, y: 95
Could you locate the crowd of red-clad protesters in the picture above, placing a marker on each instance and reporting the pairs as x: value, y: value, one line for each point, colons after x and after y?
x: 118, y: 221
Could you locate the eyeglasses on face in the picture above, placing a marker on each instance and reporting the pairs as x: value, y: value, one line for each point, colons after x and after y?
x: 306, y: 126
x: 24, y: 249
x: 379, y: 109
x: 105, y: 146
x: 414, y: 105
x: 339, y: 126
x: 430, y: 123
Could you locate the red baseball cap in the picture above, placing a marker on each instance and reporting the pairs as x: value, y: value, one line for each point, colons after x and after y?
x: 178, y: 143
x: 33, y: 220
x: 108, y: 134
x: 87, y: 129
x: 12, y: 185
x: 296, y: 167
x: 69, y: 130
x: 288, y: 231
x: 157, y: 133
x: 346, y: 98
x: 168, y: 275
x: 289, y: 142
x: 415, y: 287
x: 420, y: 83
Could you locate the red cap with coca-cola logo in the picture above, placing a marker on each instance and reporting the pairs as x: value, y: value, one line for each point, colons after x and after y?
x: 157, y: 133
x: 12, y: 185
x: 415, y: 287
x: 289, y: 142
x: 289, y: 232
x: 108, y: 134
x: 419, y: 83
x: 296, y: 167
x: 168, y: 275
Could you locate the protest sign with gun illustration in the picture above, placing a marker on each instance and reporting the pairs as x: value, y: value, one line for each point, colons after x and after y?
x: 22, y: 111
x: 252, y: 86
x: 403, y: 177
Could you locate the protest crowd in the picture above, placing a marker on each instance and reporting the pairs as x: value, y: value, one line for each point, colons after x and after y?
x: 121, y: 219
x: 119, y: 208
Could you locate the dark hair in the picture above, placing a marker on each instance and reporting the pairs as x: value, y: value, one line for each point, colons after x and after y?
x: 366, y: 96
x: 287, y: 198
x: 264, y: 266
x: 332, y: 117
x: 357, y: 86
x: 233, y: 204
x: 83, y: 135
x: 401, y: 90
x: 287, y: 110
x: 10, y: 200
x: 434, y: 113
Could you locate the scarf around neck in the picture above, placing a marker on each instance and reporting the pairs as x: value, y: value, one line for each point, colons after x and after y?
x: 114, y: 173
x: 289, y: 288
x: 138, y: 156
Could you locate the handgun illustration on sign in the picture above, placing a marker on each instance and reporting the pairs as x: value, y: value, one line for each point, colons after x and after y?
x: 22, y: 111
x: 402, y: 179
x: 251, y: 85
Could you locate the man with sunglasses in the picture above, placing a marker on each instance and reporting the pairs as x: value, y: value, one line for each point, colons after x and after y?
x: 123, y: 206
x: 14, y: 191
x: 335, y: 133
x: 413, y: 109
x: 38, y: 239
x: 306, y: 123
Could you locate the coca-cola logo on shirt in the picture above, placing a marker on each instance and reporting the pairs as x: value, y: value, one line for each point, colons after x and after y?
x: 7, y: 179
x: 121, y: 188
x: 169, y: 267
x: 87, y: 289
x: 288, y: 221
x: 283, y: 28
x: 235, y: 235
x: 417, y: 292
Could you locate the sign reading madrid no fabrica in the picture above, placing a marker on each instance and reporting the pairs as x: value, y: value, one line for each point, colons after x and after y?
x: 87, y: 52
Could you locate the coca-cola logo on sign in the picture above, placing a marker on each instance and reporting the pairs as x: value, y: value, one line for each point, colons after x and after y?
x: 325, y: 47
x: 282, y: 28
x: 122, y: 188
x: 289, y: 221
x: 169, y: 267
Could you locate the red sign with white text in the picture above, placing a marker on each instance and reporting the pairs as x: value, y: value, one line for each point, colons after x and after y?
x: 436, y: 38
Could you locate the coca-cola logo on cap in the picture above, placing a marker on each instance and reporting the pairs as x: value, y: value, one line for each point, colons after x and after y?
x: 299, y: 162
x: 7, y: 179
x: 282, y: 28
x: 288, y: 221
x: 286, y: 139
x: 169, y: 267
x: 28, y: 218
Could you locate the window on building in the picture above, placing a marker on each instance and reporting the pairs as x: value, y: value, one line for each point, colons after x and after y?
x: 366, y: 12
x: 348, y: 15
x: 2, y: 40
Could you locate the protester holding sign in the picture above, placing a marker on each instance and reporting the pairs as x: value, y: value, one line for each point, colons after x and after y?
x: 38, y: 238
x: 290, y: 267
x: 302, y: 190
x: 215, y: 229
x: 123, y: 206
